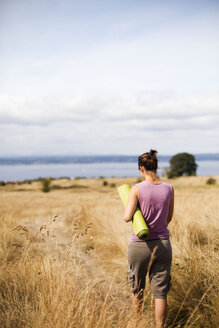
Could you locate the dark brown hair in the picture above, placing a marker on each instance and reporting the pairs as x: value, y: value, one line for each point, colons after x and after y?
x: 148, y: 161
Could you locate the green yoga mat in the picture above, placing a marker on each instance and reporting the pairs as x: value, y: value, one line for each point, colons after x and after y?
x: 139, y: 225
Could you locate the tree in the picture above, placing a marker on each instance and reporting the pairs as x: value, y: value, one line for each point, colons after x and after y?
x: 182, y: 164
x: 46, y: 184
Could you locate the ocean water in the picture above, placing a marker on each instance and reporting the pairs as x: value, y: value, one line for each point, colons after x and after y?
x: 72, y: 170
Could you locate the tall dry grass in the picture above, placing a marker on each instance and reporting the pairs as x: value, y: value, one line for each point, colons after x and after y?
x: 63, y: 257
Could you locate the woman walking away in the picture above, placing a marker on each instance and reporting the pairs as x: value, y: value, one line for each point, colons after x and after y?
x: 155, y: 199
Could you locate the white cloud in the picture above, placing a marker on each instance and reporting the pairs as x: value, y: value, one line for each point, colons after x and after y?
x: 45, y: 112
x: 167, y: 121
x: 150, y: 109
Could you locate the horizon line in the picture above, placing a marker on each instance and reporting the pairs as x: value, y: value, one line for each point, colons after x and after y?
x: 100, y: 155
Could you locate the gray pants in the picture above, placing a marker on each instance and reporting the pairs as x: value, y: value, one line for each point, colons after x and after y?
x: 154, y: 257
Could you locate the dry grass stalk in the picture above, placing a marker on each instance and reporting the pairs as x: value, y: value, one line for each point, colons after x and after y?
x: 70, y: 271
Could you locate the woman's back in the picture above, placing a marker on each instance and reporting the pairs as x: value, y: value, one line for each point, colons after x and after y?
x: 154, y: 201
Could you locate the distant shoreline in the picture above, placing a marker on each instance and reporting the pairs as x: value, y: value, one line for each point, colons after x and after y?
x: 89, y: 169
x: 29, y: 160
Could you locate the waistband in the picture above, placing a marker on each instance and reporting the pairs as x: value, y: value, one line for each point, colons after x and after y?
x: 146, y: 242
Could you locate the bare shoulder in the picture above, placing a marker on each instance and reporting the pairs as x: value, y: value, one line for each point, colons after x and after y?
x: 134, y: 190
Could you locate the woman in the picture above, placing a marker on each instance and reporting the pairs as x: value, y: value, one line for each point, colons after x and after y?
x: 155, y: 199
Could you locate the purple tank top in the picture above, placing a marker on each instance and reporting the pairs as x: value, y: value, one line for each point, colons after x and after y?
x: 154, y: 201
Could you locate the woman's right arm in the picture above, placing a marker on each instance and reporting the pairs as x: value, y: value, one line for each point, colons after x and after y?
x: 171, y: 207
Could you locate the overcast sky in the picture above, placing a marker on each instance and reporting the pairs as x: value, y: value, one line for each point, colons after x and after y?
x: 109, y: 77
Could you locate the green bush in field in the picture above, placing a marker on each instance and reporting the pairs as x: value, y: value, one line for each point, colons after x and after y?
x: 46, y: 184
x: 112, y: 185
x: 28, y: 181
x: 170, y: 174
x: 211, y: 181
x: 105, y: 183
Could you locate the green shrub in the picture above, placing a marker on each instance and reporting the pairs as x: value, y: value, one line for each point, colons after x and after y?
x: 28, y: 181
x: 58, y: 187
x: 170, y: 174
x: 211, y: 181
x: 139, y: 180
x: 2, y: 183
x: 46, y: 184
x: 105, y: 183
x: 112, y: 185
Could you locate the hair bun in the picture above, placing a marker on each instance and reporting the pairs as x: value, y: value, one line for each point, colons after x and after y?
x: 152, y: 152
x: 148, y: 160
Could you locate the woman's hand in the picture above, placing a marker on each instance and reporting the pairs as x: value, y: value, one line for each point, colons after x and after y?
x: 132, y: 203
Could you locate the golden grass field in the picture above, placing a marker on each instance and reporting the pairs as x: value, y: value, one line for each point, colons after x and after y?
x: 63, y: 256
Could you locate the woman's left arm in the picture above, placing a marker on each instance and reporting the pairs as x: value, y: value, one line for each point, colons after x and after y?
x: 132, y: 203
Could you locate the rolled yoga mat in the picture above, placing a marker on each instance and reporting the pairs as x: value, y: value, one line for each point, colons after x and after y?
x: 140, y: 228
